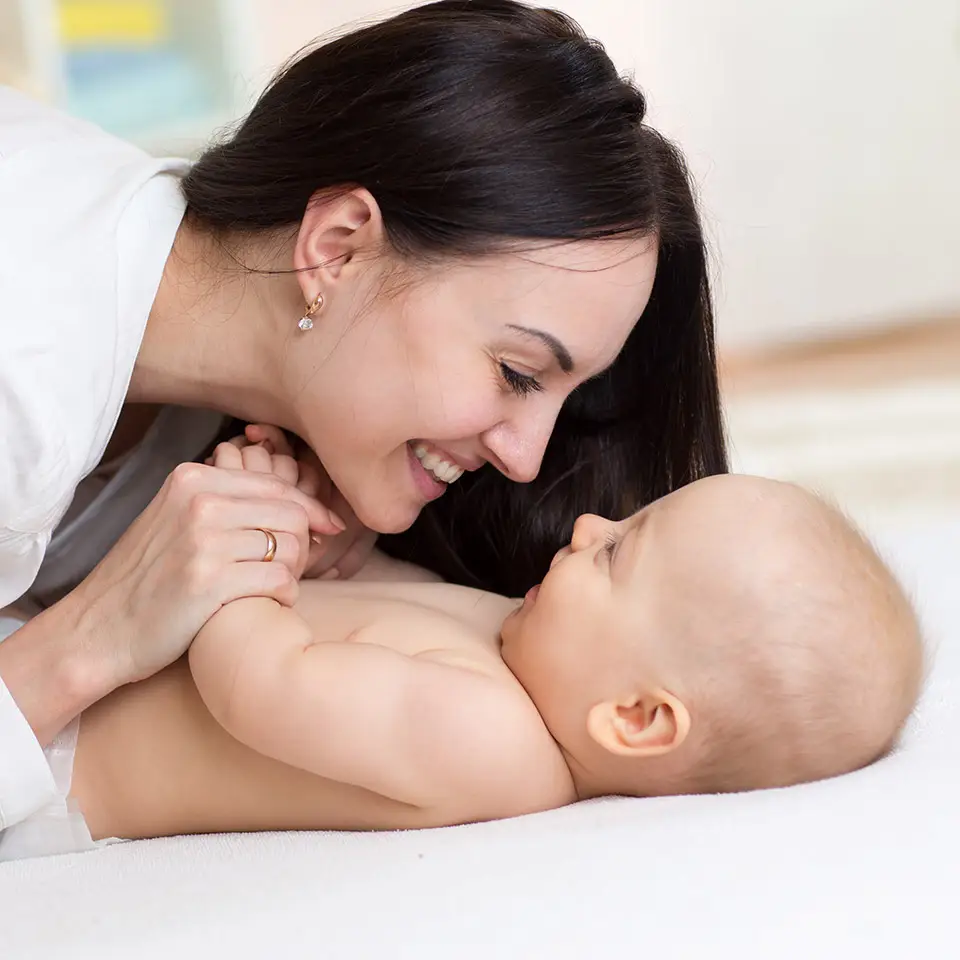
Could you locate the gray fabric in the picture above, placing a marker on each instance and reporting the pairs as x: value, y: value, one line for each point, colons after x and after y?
x: 83, y: 539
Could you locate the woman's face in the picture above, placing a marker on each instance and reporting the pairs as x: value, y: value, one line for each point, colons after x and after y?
x: 467, y: 365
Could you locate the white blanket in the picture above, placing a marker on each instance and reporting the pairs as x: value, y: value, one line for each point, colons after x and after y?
x: 865, y: 866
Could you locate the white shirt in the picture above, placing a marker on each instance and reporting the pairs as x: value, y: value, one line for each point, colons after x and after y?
x: 86, y: 225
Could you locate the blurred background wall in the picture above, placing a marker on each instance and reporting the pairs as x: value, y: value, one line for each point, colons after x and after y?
x: 824, y: 136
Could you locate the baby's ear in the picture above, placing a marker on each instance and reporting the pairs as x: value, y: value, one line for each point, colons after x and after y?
x: 647, y: 725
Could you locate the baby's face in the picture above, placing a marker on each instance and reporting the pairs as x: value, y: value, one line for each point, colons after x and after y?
x: 607, y: 601
x: 735, y: 601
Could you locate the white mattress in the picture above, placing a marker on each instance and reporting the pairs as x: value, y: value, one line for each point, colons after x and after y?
x: 865, y: 866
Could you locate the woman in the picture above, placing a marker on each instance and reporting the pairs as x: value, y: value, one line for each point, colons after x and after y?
x: 424, y: 252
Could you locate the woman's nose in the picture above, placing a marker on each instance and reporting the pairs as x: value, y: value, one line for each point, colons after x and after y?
x: 518, y: 445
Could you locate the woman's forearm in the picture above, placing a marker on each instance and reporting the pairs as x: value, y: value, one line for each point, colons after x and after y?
x: 49, y: 669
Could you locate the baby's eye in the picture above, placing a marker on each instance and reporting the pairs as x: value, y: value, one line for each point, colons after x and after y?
x: 521, y: 384
x: 609, y: 548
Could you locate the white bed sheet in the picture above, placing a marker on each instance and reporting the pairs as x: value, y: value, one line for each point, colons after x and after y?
x: 866, y: 866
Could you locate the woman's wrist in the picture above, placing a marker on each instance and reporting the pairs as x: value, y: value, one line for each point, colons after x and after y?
x: 52, y: 671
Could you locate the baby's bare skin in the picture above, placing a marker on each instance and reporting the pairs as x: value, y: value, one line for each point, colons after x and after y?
x: 737, y: 634
x: 153, y: 761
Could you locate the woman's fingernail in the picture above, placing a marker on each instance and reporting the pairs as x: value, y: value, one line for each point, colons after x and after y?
x: 337, y: 522
x: 316, y: 538
x: 332, y: 574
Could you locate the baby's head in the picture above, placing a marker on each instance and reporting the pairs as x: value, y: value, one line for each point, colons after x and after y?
x: 735, y: 635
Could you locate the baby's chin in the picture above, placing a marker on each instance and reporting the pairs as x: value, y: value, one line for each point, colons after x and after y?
x: 510, y: 628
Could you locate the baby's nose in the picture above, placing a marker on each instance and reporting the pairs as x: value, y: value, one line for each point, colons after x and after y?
x: 587, y: 530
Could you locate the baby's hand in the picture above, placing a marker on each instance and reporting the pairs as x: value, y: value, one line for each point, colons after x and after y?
x: 261, y: 449
x: 266, y: 449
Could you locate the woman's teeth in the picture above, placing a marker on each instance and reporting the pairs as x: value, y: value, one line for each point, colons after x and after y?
x: 443, y: 470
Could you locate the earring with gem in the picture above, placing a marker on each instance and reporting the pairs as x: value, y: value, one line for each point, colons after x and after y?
x: 306, y: 321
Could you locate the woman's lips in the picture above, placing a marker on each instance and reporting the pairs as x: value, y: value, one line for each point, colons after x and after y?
x: 427, y: 484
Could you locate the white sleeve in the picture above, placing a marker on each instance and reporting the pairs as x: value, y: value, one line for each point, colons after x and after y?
x: 29, y: 474
x: 26, y: 781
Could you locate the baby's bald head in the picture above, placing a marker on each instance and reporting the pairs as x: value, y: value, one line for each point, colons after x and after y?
x: 799, y: 653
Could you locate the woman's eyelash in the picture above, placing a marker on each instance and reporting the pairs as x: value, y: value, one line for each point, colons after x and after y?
x: 520, y: 383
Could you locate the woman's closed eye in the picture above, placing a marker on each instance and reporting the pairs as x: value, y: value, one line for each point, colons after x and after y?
x: 522, y: 384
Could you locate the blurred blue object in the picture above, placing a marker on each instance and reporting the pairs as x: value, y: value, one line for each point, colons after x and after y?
x: 133, y: 91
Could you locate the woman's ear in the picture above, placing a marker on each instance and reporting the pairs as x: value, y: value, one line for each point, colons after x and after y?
x: 647, y: 725
x: 334, y: 228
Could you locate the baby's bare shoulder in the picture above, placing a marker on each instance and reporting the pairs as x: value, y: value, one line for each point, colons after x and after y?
x: 500, y: 760
x: 380, y: 568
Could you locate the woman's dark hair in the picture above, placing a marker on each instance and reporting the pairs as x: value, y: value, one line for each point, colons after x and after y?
x: 477, y: 124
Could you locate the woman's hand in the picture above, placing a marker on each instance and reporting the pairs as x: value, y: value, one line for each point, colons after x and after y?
x: 266, y: 449
x: 194, y: 549
x: 197, y: 546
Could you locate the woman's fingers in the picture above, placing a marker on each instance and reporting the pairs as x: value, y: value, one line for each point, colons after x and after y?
x: 302, y: 469
x: 358, y: 554
x: 286, y: 521
x: 341, y: 556
x: 194, y: 548
x: 252, y: 546
x: 254, y: 579
x: 190, y: 479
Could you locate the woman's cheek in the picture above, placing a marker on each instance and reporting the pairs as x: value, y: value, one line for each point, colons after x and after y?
x: 465, y: 413
x: 484, y: 406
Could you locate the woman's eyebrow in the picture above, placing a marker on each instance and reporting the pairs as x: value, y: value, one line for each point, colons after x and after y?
x: 560, y: 352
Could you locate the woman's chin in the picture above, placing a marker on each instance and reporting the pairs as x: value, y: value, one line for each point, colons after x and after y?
x: 387, y: 512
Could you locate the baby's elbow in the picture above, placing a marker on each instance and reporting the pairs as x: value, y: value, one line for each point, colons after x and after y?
x: 212, y: 681
x: 216, y: 658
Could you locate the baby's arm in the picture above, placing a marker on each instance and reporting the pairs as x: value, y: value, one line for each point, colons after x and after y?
x: 414, y: 729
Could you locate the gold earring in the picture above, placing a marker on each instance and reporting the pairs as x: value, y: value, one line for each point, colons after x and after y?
x: 306, y: 321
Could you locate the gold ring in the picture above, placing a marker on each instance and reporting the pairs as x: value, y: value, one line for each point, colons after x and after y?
x: 271, y: 545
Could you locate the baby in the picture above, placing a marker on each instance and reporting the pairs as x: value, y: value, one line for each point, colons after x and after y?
x: 735, y: 635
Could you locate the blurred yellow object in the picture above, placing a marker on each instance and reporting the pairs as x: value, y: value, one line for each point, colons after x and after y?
x: 111, y: 21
